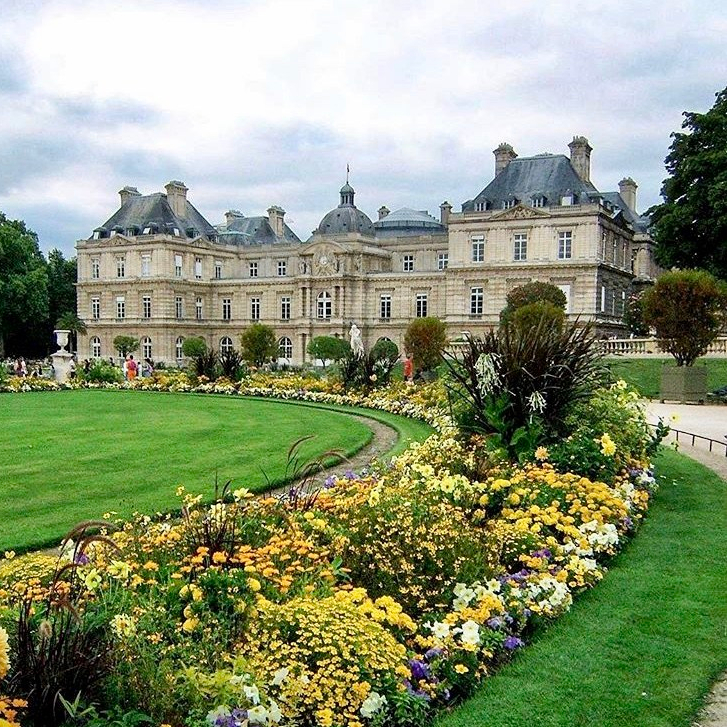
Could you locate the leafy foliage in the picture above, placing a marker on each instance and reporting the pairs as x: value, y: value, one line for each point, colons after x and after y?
x: 690, y: 226
x: 634, y: 314
x: 259, y: 344
x: 194, y: 347
x: 384, y: 348
x: 539, y: 313
x: 425, y: 339
x: 687, y: 308
x: 328, y: 348
x: 530, y: 293
x: 126, y: 344
x: 232, y: 364
x: 100, y: 370
x: 519, y: 383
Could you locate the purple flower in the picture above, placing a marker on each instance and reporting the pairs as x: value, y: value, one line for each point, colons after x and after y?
x: 329, y: 482
x: 513, y: 642
x: 350, y: 475
x: 495, y: 622
x: 433, y: 653
x: 81, y: 559
x: 419, y: 670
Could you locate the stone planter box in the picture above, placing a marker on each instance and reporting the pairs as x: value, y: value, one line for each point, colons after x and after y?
x: 683, y: 383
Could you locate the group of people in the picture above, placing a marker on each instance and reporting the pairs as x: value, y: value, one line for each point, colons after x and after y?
x: 19, y: 368
x: 133, y: 368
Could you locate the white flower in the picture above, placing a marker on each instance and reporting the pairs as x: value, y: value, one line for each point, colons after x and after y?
x: 274, y: 712
x: 257, y: 715
x: 280, y: 676
x: 486, y: 368
x: 218, y: 713
x: 440, y: 630
x: 372, y: 704
x: 252, y: 693
x: 470, y: 633
x: 536, y: 402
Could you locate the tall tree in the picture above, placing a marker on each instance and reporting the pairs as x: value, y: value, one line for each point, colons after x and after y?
x: 61, y: 286
x: 23, y: 291
x: 690, y: 227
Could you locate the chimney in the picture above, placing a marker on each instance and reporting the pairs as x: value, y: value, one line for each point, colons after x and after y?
x: 580, y: 157
x: 504, y: 154
x: 627, y: 189
x: 276, y: 215
x: 383, y: 211
x: 444, y: 209
x: 127, y: 193
x: 232, y: 215
x: 177, y: 198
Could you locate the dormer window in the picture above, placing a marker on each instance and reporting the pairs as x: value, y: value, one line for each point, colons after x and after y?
x: 509, y: 203
x: 133, y: 231
x: 175, y: 230
x: 482, y: 205
x: 567, y: 199
x: 539, y: 200
x: 191, y: 232
x: 100, y: 233
x: 117, y: 230
x: 150, y: 229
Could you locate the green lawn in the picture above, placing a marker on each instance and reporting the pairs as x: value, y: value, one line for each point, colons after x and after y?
x: 643, y: 373
x: 68, y: 456
x: 644, y: 646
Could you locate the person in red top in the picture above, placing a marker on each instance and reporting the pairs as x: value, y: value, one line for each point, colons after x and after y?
x: 131, y: 368
x: 408, y: 368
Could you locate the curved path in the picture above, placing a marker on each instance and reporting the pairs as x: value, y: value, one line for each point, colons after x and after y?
x: 707, y: 421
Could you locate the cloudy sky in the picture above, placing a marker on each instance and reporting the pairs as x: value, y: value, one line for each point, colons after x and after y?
x: 253, y: 103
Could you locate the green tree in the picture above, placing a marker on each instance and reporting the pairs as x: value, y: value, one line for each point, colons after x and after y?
x: 535, y: 292
x: 425, y: 339
x: 634, y: 314
x: 194, y: 347
x: 62, y: 276
x: 536, y: 314
x: 23, y: 291
x: 258, y: 344
x: 328, y: 348
x: 204, y: 360
x: 688, y: 309
x: 126, y: 345
x: 690, y: 226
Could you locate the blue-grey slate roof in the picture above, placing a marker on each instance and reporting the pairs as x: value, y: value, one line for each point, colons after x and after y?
x: 254, y: 231
x: 345, y: 218
x: 153, y: 209
x: 547, y: 175
x: 406, y: 222
x: 640, y: 223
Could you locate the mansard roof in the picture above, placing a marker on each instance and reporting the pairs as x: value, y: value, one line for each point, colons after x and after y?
x: 143, y: 211
x: 640, y: 223
x: 551, y: 176
x: 254, y: 231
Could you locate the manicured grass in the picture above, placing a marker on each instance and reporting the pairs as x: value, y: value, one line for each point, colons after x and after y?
x: 643, y: 373
x: 644, y: 646
x: 68, y: 456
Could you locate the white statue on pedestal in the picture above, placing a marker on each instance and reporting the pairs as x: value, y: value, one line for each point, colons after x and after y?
x: 356, y: 341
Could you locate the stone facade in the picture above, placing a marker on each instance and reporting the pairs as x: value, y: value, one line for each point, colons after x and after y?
x: 157, y: 270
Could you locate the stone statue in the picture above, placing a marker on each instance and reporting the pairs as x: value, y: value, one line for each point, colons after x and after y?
x: 356, y: 341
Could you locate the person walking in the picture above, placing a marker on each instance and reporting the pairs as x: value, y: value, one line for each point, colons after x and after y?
x: 131, y: 368
x: 408, y: 369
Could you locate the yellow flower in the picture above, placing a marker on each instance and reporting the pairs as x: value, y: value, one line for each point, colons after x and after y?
x: 608, y: 448
x: 254, y: 584
x: 461, y: 669
x: 541, y: 454
x: 4, y: 653
x: 190, y: 625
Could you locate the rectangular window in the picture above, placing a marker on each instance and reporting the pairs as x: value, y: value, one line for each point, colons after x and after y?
x: 565, y: 243
x: 179, y: 307
x: 177, y: 265
x: 385, y: 306
x: 478, y: 249
x: 407, y: 263
x: 95, y: 268
x: 95, y: 308
x: 282, y: 268
x: 324, y: 306
x: 520, y: 240
x: 285, y: 308
x: 120, y: 307
x: 226, y: 309
x: 603, y: 298
x: 198, y: 309
x: 146, y: 306
x: 477, y: 301
x: 421, y: 305
x: 442, y: 261
x: 120, y: 267
x: 218, y: 269
x: 253, y: 270
x: 255, y: 309
x: 198, y: 268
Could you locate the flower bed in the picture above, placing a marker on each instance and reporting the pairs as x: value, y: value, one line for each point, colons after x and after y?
x: 374, y: 600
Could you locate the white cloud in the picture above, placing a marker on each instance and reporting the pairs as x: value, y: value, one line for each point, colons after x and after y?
x: 264, y: 102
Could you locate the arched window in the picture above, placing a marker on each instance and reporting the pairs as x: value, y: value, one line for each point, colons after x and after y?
x: 324, y: 305
x: 146, y: 347
x: 178, y: 348
x: 285, y: 348
x: 95, y: 346
x: 225, y: 344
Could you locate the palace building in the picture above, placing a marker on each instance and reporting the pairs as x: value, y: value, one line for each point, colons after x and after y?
x: 159, y: 271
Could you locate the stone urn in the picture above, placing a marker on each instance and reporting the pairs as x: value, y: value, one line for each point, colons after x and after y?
x: 62, y: 358
x: 62, y: 338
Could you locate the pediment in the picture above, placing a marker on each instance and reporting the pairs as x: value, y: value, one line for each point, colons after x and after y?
x: 520, y: 212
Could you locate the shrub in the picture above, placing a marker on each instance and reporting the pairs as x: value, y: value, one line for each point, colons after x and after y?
x: 384, y: 348
x: 426, y: 338
x: 194, y: 347
x: 634, y: 314
x: 534, y: 314
x: 519, y: 383
x: 126, y: 345
x: 101, y: 371
x: 232, y: 365
x: 687, y: 308
x: 328, y: 348
x: 259, y: 344
x: 535, y: 292
x: 204, y: 360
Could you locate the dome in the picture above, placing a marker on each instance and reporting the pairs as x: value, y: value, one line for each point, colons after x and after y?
x: 409, y: 218
x: 344, y: 219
